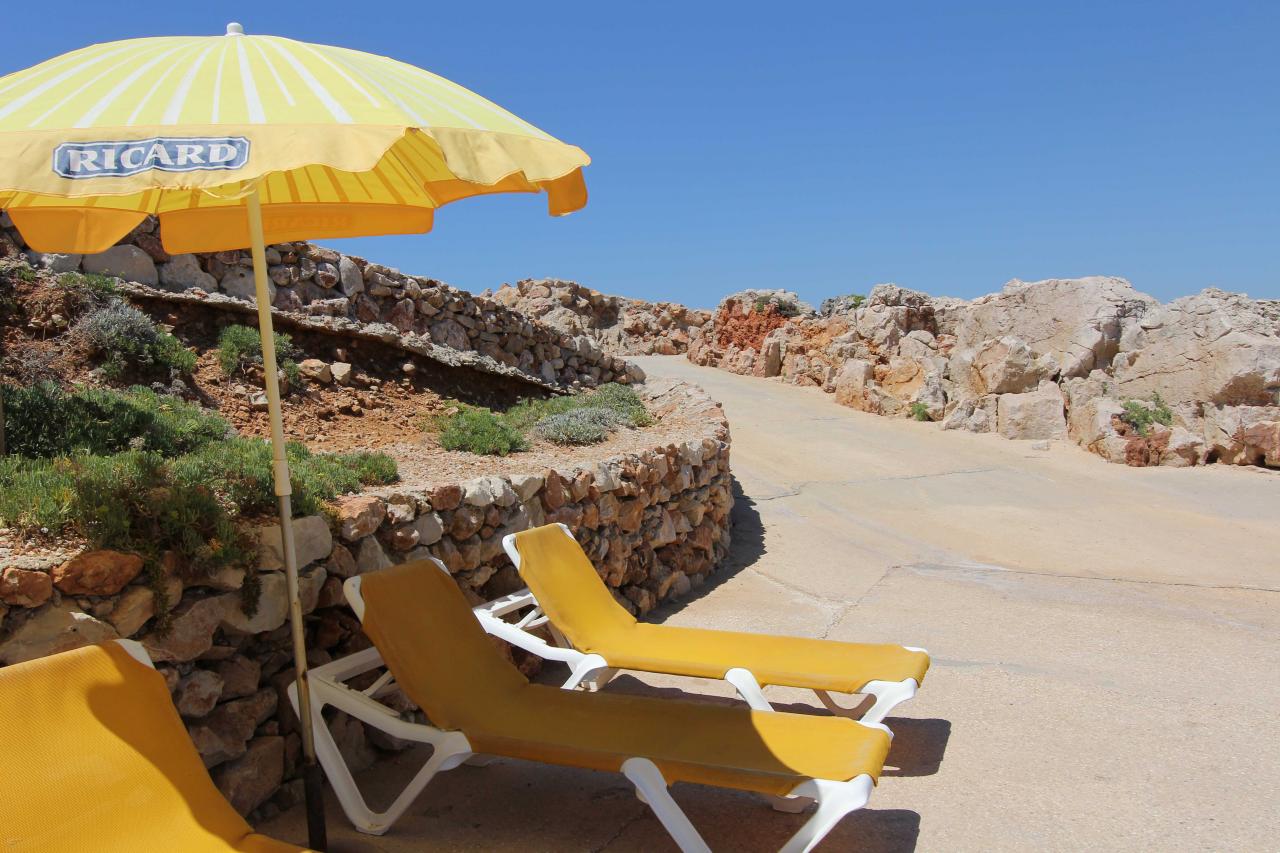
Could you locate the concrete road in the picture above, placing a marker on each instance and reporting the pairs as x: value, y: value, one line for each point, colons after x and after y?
x: 1105, y: 640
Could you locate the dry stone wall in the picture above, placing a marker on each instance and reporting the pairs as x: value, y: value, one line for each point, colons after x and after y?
x: 621, y: 326
x: 1054, y: 359
x: 348, y: 293
x: 655, y: 524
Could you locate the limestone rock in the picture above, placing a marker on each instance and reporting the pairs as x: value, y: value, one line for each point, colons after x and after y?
x: 360, y: 515
x: 1243, y: 435
x: 1035, y: 414
x: 197, y: 693
x: 486, y: 491
x: 190, y: 632
x: 315, y: 370
x: 311, y: 537
x: 127, y: 262
x: 102, y: 572
x: 341, y: 372
x: 56, y: 628
x: 273, y: 606
x: 238, y: 282
x: 1005, y: 365
x: 1213, y: 347
x: 250, y: 780
x: 54, y: 262
x: 138, y: 604
x: 24, y: 587
x: 350, y: 277
x: 240, y: 676
x: 1078, y: 322
x: 222, y: 733
x: 370, y: 557
x: 526, y: 485
x: 183, y: 272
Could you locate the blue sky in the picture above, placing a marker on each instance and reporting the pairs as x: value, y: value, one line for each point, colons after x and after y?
x: 825, y: 147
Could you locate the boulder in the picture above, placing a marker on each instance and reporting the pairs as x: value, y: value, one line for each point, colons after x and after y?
x: 486, y: 491
x: 451, y: 334
x: 315, y: 370
x: 56, y: 628
x: 1077, y: 322
x: 341, y: 372
x: 238, y: 282
x: 102, y: 572
x: 1005, y: 365
x: 312, y: 541
x: 24, y: 587
x: 127, y: 262
x: 183, y: 272
x: 138, y: 604
x: 240, y: 676
x: 1243, y: 435
x: 1035, y: 414
x: 1214, y: 347
x: 852, y: 381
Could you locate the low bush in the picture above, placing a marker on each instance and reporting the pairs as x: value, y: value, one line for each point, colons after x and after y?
x: 588, y: 425
x: 89, y: 287
x: 556, y: 419
x: 241, y: 346
x: 45, y: 421
x: 126, y: 337
x: 920, y: 411
x: 480, y: 431
x: 1141, y: 415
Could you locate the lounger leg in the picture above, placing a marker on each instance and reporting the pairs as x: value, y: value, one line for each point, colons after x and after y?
x: 888, y: 695
x: 790, y: 805
x: 585, y: 668
x: 651, y: 788
x: 599, y: 679
x: 450, y: 750
x: 835, y: 800
x: 748, y: 688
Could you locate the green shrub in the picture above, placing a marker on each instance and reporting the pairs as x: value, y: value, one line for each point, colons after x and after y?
x: 88, y: 287
x: 44, y: 421
x: 241, y: 346
x: 127, y: 337
x: 480, y: 431
x: 35, y: 494
x: 920, y: 411
x: 784, y: 307
x: 578, y: 426
x: 1141, y: 415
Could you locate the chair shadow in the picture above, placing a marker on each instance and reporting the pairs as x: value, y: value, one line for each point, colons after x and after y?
x: 745, y: 549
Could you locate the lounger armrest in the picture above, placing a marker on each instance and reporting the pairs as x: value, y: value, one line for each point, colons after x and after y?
x: 521, y: 638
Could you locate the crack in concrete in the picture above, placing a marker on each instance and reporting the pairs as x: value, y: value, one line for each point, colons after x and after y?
x: 799, y: 488
x: 1063, y: 576
x: 626, y: 824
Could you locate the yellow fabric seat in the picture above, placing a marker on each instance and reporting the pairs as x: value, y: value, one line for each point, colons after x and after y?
x: 442, y: 659
x: 96, y: 758
x: 578, y: 603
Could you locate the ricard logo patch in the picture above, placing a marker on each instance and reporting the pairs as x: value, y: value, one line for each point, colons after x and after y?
x: 160, y: 154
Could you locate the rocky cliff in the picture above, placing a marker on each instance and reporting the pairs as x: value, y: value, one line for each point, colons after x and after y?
x: 1091, y: 359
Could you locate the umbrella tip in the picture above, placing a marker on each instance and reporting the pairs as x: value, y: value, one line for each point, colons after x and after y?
x: 234, y: 29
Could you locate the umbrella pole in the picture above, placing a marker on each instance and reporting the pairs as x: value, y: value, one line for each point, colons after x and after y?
x: 312, y: 778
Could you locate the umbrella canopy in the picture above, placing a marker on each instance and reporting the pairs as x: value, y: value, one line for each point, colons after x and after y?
x: 339, y: 144
x: 239, y: 140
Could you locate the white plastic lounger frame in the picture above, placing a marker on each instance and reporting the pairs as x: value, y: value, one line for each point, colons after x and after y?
x: 834, y: 799
x: 594, y: 671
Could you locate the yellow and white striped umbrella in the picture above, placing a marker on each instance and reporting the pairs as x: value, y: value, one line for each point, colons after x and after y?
x: 339, y: 143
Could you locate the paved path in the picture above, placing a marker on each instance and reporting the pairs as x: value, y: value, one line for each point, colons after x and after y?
x: 1106, y: 645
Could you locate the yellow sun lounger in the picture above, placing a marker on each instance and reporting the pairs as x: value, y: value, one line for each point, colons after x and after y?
x: 478, y: 703
x: 97, y: 758
x: 596, y: 637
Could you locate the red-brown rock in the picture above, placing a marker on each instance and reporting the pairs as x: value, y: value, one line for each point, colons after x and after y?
x: 24, y: 587
x: 97, y: 572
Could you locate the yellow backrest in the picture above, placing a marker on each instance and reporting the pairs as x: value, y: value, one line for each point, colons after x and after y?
x: 567, y: 586
x: 96, y: 758
x: 434, y: 645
